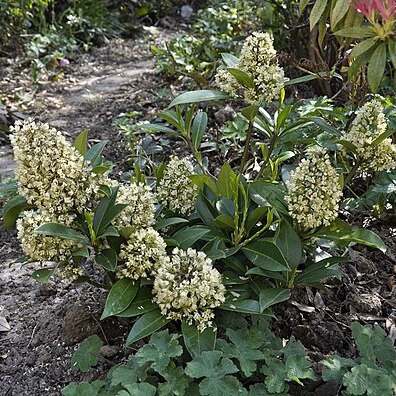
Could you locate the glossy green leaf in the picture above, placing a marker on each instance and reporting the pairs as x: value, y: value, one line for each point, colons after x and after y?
x: 230, y: 60
x: 355, y: 32
x: 198, y: 128
x: 266, y: 255
x: 362, y: 47
x: 299, y: 80
x: 269, y: 297
x: 392, y: 51
x: 107, y: 258
x: 338, y: 12
x: 376, y: 67
x: 321, y: 270
x: 189, y: 235
x: 159, y: 128
x: 80, y: 143
x: 43, y: 274
x: 316, y: 12
x: 120, y: 297
x: 244, y: 306
x: 141, y: 304
x: 197, y: 341
x: 61, y: 231
x: 94, y: 154
x: 242, y: 77
x: 198, y: 96
x: 159, y: 225
x: 225, y: 222
x: 146, y: 325
x: 302, y: 5
x: 225, y: 180
x: 250, y: 112
x: 289, y: 243
x: 12, y: 209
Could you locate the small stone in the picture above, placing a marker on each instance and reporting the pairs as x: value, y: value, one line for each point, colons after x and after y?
x: 109, y: 351
x: 47, y: 289
x: 226, y: 114
x: 186, y: 11
x: 366, y: 303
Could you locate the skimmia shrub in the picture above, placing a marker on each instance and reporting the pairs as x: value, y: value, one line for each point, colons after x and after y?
x: 196, y: 239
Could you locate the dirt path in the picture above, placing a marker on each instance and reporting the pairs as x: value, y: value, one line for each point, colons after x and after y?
x: 46, y: 321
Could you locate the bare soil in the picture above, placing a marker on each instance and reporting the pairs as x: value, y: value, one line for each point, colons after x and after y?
x: 47, y: 321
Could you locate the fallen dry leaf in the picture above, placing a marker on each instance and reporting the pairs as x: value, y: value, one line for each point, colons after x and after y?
x: 4, y: 325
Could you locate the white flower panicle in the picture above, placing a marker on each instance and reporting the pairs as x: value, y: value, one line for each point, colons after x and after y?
x: 258, y: 60
x: 176, y: 189
x: 70, y: 273
x: 40, y: 247
x: 52, y: 174
x: 314, y: 191
x: 187, y: 287
x: 368, y: 125
x: 142, y: 255
x: 140, y: 210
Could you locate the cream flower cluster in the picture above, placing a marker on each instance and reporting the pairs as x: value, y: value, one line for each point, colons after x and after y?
x: 187, y: 287
x: 52, y: 174
x: 70, y: 272
x: 142, y: 255
x: 44, y: 248
x: 176, y: 190
x: 314, y: 191
x: 140, y: 210
x: 258, y: 60
x: 368, y: 125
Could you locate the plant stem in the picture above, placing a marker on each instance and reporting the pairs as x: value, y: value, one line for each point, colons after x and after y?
x: 352, y: 172
x: 247, y: 146
x: 270, y: 150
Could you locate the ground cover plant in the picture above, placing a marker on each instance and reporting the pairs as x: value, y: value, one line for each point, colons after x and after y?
x: 202, y: 242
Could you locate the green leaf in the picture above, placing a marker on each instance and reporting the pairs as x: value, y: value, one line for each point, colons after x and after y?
x: 80, y: 143
x: 243, y: 306
x: 250, y: 112
x: 129, y: 373
x: 215, y: 369
x: 230, y: 60
x: 198, y: 128
x: 336, y: 367
x: 339, y: 11
x: 289, y: 243
x: 147, y: 324
x: 107, y: 258
x: 301, y: 79
x: 376, y: 67
x: 106, y: 212
x: 198, y: 96
x: 141, y: 389
x: 159, y: 225
x: 245, y: 348
x: 266, y: 255
x: 197, y: 341
x: 189, y: 235
x: 61, y: 231
x: 225, y: 179
x: 242, y: 77
x: 225, y: 221
x: 176, y: 382
x: 316, y: 12
x: 159, y: 128
x: 159, y: 351
x: 362, y: 47
x: 141, y: 304
x: 83, y: 252
x: 301, y: 6
x: 43, y: 275
x: 86, y: 354
x: 392, y: 51
x: 120, y: 297
x: 382, y: 137
x: 12, y: 209
x: 268, y: 195
x: 83, y: 388
x: 94, y: 154
x: 321, y: 270
x: 269, y: 297
x: 355, y: 32
x: 372, y: 341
